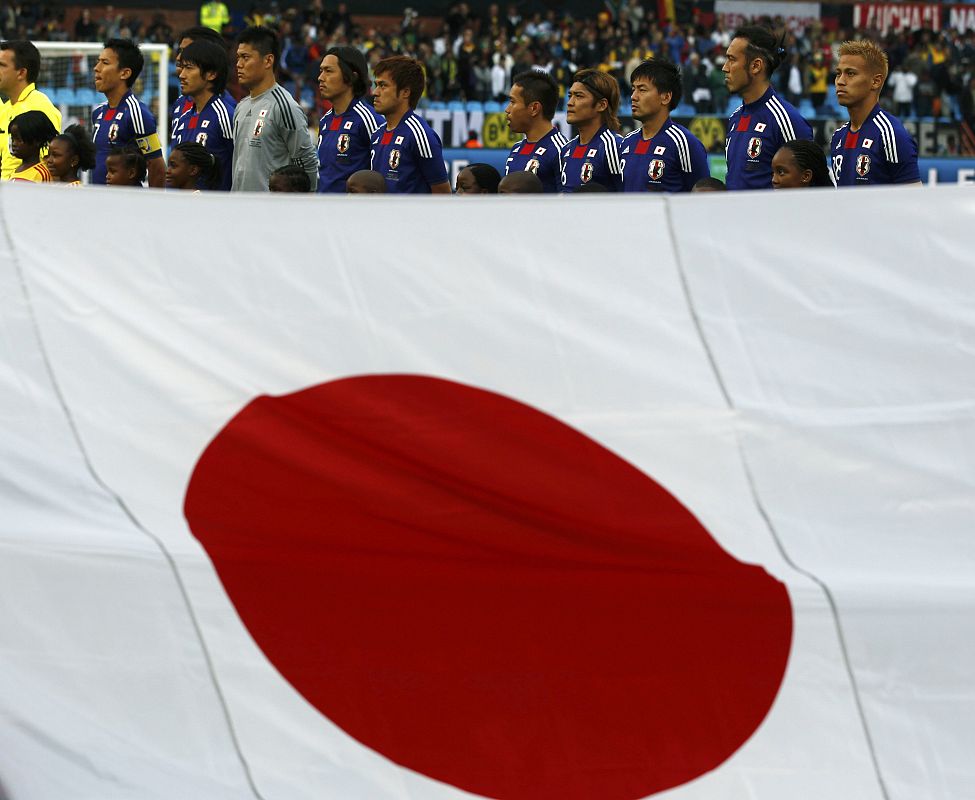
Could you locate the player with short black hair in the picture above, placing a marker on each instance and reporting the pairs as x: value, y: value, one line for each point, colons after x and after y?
x: 594, y: 154
x: 873, y: 147
x: 531, y: 107
x: 660, y: 156
x: 202, y: 73
x: 345, y: 131
x: 365, y: 181
x: 478, y: 179
x: 289, y: 179
x: 709, y: 185
x: 70, y: 153
x: 799, y: 164
x: 270, y: 128
x: 123, y: 119
x: 526, y: 182
x: 182, y: 103
x: 765, y: 121
x: 407, y: 151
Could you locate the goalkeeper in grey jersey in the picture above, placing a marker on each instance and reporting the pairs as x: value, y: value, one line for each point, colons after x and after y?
x: 270, y: 128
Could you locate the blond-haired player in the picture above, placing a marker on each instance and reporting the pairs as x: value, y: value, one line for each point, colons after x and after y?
x: 873, y: 147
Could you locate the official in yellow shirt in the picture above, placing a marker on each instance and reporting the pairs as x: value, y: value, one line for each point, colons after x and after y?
x: 20, y: 64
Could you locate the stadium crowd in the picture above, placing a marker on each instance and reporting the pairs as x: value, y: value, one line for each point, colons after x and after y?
x: 473, y: 56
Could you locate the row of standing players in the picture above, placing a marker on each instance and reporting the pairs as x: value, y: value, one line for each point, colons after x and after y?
x: 266, y: 130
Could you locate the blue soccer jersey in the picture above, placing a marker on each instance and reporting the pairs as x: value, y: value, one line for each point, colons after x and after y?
x: 130, y: 122
x: 184, y: 104
x: 544, y: 158
x: 598, y: 161
x: 409, y: 157
x: 882, y: 151
x: 755, y: 132
x: 672, y: 161
x: 212, y: 128
x: 345, y: 144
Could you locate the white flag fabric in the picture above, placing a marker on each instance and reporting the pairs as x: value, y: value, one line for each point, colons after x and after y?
x: 333, y: 498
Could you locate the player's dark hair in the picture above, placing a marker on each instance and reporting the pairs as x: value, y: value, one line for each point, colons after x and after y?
x: 202, y: 33
x: 132, y: 158
x: 406, y: 73
x: 602, y: 86
x: 521, y: 183
x: 538, y: 87
x: 763, y: 43
x: 354, y: 73
x: 129, y: 57
x: 34, y: 128
x: 294, y: 177
x: 264, y: 40
x: 664, y: 75
x: 80, y: 144
x: 809, y: 155
x: 485, y: 176
x: 208, y: 57
x: 25, y: 57
x: 197, y: 155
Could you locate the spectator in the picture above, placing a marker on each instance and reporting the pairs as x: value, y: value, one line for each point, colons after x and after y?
x: 85, y: 29
x: 473, y: 143
x: 214, y: 15
x: 902, y: 85
x: 817, y: 75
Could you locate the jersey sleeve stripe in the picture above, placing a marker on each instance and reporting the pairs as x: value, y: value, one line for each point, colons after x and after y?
x: 559, y: 140
x: 782, y: 117
x: 612, y: 153
x: 422, y: 142
x: 367, y: 119
x: 887, y: 134
x: 284, y: 106
x: 683, y: 150
x: 223, y: 117
x: 135, y: 110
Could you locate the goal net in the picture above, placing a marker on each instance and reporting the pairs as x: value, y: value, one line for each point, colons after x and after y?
x: 66, y: 77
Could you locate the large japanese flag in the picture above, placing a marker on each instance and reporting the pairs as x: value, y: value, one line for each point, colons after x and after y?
x: 591, y: 498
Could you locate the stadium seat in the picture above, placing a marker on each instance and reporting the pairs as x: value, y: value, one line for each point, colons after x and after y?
x: 64, y: 97
x: 436, y: 105
x: 682, y: 110
x: 493, y: 107
x: 733, y: 103
x: 307, y: 97
x: 474, y: 105
x: 50, y: 91
x: 831, y: 101
x: 86, y: 97
x: 456, y: 105
x: 806, y: 108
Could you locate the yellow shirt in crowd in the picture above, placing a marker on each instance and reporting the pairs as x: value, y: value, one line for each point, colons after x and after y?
x: 30, y: 100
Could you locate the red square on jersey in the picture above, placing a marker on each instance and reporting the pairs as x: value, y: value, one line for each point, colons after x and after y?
x: 336, y: 123
x: 387, y: 138
x: 851, y: 140
x: 579, y: 152
x: 193, y: 120
x: 527, y: 150
x: 744, y: 122
x: 110, y: 113
x: 642, y: 147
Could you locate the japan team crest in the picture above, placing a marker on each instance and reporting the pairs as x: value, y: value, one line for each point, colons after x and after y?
x: 532, y: 166
x: 754, y: 147
x: 393, y: 159
x: 587, y: 170
x: 863, y: 164
x: 343, y: 143
x: 656, y: 170
x: 259, y: 127
x: 113, y: 132
x: 201, y: 138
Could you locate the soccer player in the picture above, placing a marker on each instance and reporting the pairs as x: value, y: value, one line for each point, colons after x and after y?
x: 365, y: 181
x: 520, y: 183
x: 20, y: 64
x: 406, y: 151
x: 270, y: 128
x: 660, y: 156
x: 531, y: 106
x: 345, y: 132
x: 125, y: 166
x: 764, y: 121
x: 123, y: 119
x: 70, y: 153
x: 29, y: 133
x: 799, y: 164
x: 202, y: 75
x: 478, y: 179
x: 593, y: 155
x: 873, y: 147
x: 191, y: 164
x: 186, y: 38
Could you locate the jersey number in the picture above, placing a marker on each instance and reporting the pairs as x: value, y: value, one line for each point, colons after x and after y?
x: 837, y: 168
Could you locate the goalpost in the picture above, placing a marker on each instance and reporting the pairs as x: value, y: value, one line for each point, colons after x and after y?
x: 66, y: 77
